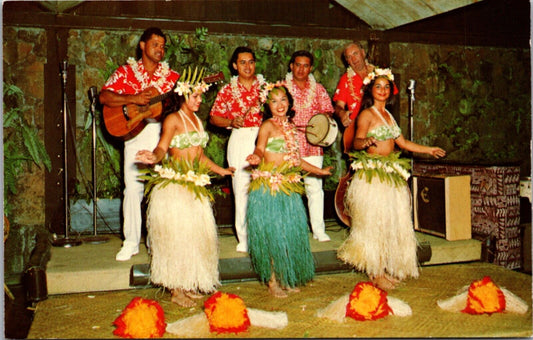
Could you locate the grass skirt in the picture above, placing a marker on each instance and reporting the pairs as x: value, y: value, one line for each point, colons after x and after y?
x: 183, y: 239
x: 278, y: 237
x: 382, y: 239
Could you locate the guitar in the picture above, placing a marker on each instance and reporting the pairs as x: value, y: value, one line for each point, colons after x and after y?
x: 127, y: 121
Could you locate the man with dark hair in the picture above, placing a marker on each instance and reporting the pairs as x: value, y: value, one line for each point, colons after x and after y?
x: 238, y: 107
x: 134, y: 83
x: 310, y: 98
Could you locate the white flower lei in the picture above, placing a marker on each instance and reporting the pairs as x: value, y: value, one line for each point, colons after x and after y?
x: 235, y: 89
x: 162, y: 73
x: 310, y: 94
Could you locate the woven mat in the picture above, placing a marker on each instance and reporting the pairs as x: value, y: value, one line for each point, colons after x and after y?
x: 91, y: 315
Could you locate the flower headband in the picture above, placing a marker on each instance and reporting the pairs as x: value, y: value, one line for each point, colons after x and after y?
x: 267, y: 87
x: 191, y: 84
x: 379, y: 72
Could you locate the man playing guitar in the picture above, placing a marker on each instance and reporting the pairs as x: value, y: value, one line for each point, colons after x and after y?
x: 134, y: 83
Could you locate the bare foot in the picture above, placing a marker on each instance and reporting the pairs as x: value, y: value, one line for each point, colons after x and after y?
x: 292, y: 289
x: 392, y: 279
x: 179, y: 298
x: 382, y: 282
x: 275, y: 289
x: 193, y: 295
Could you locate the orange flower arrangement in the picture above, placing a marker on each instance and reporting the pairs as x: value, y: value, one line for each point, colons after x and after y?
x: 226, y: 313
x: 142, y: 318
x: 484, y: 296
x: 367, y: 302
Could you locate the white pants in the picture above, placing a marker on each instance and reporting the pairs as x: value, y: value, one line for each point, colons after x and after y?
x: 147, y: 139
x: 241, y: 144
x: 315, y: 197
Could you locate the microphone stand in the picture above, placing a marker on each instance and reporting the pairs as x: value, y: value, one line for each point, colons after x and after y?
x: 411, y: 89
x: 95, y: 238
x: 66, y: 242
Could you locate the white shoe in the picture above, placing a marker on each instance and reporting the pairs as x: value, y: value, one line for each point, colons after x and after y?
x: 322, y: 237
x: 126, y: 253
x: 242, y: 247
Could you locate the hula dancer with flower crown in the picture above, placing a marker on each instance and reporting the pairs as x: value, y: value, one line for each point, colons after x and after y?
x: 181, y: 225
x: 382, y: 241
x: 276, y: 217
x: 238, y: 107
x: 134, y: 83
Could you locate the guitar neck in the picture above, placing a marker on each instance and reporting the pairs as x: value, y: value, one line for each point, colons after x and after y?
x: 159, y: 98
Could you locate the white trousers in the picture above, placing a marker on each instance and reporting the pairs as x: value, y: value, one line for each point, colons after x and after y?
x: 147, y: 139
x: 315, y: 197
x: 241, y: 144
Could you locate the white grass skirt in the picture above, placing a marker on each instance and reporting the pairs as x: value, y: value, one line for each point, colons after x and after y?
x: 183, y: 239
x: 382, y: 239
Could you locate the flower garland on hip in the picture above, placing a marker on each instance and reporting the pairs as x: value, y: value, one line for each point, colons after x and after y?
x: 163, y: 71
x: 193, y: 175
x: 311, y: 91
x: 260, y: 81
x: 285, y: 178
x: 391, y: 168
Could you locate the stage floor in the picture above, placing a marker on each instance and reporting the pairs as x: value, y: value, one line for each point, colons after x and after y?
x: 92, y: 267
x: 91, y: 315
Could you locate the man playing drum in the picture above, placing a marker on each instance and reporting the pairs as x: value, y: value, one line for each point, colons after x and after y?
x: 310, y: 98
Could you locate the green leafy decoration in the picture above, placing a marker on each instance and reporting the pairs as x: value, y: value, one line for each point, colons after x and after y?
x: 194, y: 175
x: 289, y: 178
x: 391, y: 169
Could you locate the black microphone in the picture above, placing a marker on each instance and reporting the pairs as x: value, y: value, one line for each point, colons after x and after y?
x: 92, y: 94
x: 411, y: 86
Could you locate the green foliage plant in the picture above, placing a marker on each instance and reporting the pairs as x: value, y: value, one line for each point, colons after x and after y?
x: 22, y: 145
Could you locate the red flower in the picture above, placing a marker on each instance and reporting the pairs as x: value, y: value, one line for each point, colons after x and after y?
x: 226, y: 190
x: 141, y: 318
x: 367, y: 302
x: 226, y: 313
x: 484, y: 296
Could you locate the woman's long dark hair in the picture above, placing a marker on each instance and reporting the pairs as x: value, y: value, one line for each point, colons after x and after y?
x: 172, y: 104
x: 266, y: 108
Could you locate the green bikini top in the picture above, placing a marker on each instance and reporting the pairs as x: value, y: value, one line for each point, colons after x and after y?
x: 190, y: 138
x: 276, y: 145
x: 385, y: 131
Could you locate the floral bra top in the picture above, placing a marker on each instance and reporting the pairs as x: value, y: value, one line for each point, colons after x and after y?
x: 385, y: 131
x: 190, y: 138
x: 276, y: 145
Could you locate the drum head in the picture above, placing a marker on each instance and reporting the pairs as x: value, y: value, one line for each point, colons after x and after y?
x: 317, y: 128
x: 339, y: 198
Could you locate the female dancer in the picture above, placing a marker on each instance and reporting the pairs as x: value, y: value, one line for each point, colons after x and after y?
x: 181, y: 225
x: 382, y: 240
x: 277, y: 221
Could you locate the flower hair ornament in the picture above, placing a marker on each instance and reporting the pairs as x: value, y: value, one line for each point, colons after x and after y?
x: 484, y: 297
x: 266, y: 88
x: 225, y: 313
x: 365, y: 303
x: 378, y: 72
x: 191, y: 83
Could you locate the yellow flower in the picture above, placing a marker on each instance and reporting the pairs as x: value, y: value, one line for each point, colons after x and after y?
x: 141, y: 318
x: 367, y: 302
x: 226, y: 313
x: 484, y: 296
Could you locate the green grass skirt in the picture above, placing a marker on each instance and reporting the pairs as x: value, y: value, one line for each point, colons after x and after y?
x: 278, y: 237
